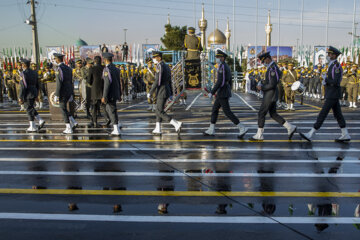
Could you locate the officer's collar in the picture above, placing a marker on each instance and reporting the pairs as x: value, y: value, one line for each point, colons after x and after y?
x: 332, y: 61
x: 270, y: 65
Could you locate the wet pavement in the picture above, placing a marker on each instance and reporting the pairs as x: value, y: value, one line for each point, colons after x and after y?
x: 212, y: 187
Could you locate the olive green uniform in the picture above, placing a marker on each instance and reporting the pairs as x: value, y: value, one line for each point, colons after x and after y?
x: 192, y: 44
x: 288, y: 80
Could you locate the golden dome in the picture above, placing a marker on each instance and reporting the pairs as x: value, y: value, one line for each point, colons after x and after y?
x: 219, y: 38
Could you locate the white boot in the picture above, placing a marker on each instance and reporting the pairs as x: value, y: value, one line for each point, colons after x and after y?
x: 116, y: 131
x: 290, y: 128
x: 153, y: 107
x: 292, y: 107
x: 176, y: 124
x: 157, y: 130
x: 351, y: 105
x: 73, y: 123
x: 242, y: 130
x: 37, y: 105
x: 354, y: 105
x: 41, y: 122
x: 41, y: 106
x: 68, y: 129
x: 345, y: 137
x: 32, y: 127
x: 22, y: 107
x: 210, y: 131
x: 308, y: 136
x: 258, y: 136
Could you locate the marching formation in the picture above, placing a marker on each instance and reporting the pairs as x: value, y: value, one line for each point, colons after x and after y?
x: 102, y: 84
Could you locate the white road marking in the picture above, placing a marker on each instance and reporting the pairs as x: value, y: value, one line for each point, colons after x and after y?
x: 132, y: 106
x: 181, y: 174
x: 192, y: 103
x: 178, y: 219
x: 242, y: 99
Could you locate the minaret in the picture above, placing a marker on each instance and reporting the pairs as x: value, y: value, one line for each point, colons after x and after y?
x: 268, y: 30
x: 168, y: 19
x: 167, y: 26
x: 228, y: 35
x: 203, y: 27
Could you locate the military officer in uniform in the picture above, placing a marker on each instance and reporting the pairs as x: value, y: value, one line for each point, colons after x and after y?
x: 353, y: 86
x: 192, y: 44
x: 332, y: 96
x: 288, y: 80
x: 28, y: 92
x: 97, y: 86
x: 85, y: 73
x: 64, y: 92
x: 149, y: 80
x: 10, y: 84
x: 111, y: 92
x: 222, y: 89
x: 270, y: 90
x: 163, y: 91
x: 16, y: 81
x: 40, y: 98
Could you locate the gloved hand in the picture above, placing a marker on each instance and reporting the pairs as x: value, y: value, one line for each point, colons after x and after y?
x: 148, y: 95
x: 56, y: 98
x: 171, y: 98
x: 210, y: 95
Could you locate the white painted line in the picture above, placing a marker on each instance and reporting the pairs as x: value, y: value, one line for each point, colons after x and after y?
x: 251, y: 107
x: 144, y: 160
x: 133, y: 106
x: 163, y: 149
x: 181, y: 174
x: 192, y: 103
x: 178, y: 219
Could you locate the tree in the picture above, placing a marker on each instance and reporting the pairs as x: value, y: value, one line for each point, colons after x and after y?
x: 174, y: 37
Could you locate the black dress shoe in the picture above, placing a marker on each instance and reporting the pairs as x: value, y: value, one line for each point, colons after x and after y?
x: 41, y: 125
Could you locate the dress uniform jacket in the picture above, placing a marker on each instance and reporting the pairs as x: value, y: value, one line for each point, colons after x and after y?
x: 269, y: 86
x: 222, y: 87
x: 64, y: 85
x: 333, y: 80
x: 29, y: 85
x: 111, y: 76
x: 96, y: 82
x: 162, y: 84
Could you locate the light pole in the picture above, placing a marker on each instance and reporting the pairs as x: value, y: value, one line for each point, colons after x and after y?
x: 125, y: 34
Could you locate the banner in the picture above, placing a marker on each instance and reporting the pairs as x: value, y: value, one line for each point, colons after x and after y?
x: 284, y: 52
x: 51, y: 50
x: 90, y: 51
x: 319, y: 55
x: 252, y: 53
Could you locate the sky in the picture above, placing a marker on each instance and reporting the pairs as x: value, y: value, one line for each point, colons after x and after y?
x: 62, y: 22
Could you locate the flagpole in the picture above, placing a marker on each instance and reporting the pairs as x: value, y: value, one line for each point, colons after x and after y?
x: 234, y: 34
x: 278, y: 48
x: 256, y: 28
x: 327, y: 25
x: 353, y: 30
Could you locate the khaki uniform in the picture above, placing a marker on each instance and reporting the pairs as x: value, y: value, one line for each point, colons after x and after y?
x: 352, y: 87
x: 149, y: 79
x: 192, y: 44
x: 10, y: 84
x: 124, y: 79
x: 289, y: 78
x: 40, y: 95
x: 17, y: 79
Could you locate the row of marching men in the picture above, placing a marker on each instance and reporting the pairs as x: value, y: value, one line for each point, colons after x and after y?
x: 10, y: 84
x: 312, y: 79
x: 105, y: 90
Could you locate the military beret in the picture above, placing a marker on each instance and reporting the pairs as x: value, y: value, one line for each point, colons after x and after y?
x: 220, y: 53
x: 24, y: 60
x: 156, y: 54
x: 58, y: 55
x: 107, y: 55
x: 191, y: 29
x: 334, y: 51
x: 264, y: 55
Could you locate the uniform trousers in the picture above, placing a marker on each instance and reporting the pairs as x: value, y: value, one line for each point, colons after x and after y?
x: 160, y: 107
x: 224, y: 104
x: 31, y: 111
x: 111, y: 112
x: 329, y: 104
x: 269, y: 106
x: 63, y: 106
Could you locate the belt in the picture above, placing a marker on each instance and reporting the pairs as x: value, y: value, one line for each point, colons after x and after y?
x: 193, y: 50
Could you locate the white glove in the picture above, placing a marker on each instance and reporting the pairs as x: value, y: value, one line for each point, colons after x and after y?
x: 210, y: 95
x: 56, y: 98
x: 148, y: 95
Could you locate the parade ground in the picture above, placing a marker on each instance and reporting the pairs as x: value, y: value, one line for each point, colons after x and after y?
x: 274, y: 189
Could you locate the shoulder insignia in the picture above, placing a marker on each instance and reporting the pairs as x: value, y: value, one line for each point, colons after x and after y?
x: 272, y: 74
x: 337, y: 71
x: 106, y: 74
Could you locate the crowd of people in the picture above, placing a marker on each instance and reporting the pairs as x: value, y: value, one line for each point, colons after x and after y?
x: 311, y: 78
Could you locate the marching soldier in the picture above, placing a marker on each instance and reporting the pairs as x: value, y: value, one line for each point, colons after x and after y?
x: 222, y: 89
x: 97, y: 86
x: 332, y: 96
x: 85, y: 73
x: 1, y: 86
x: 28, y: 92
x: 64, y: 92
x: 192, y: 44
x: 40, y: 97
x: 352, y: 86
x: 149, y: 78
x: 16, y: 80
x: 288, y: 80
x: 270, y: 90
x: 124, y: 79
x: 111, y: 93
x: 10, y: 84
x: 163, y: 91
